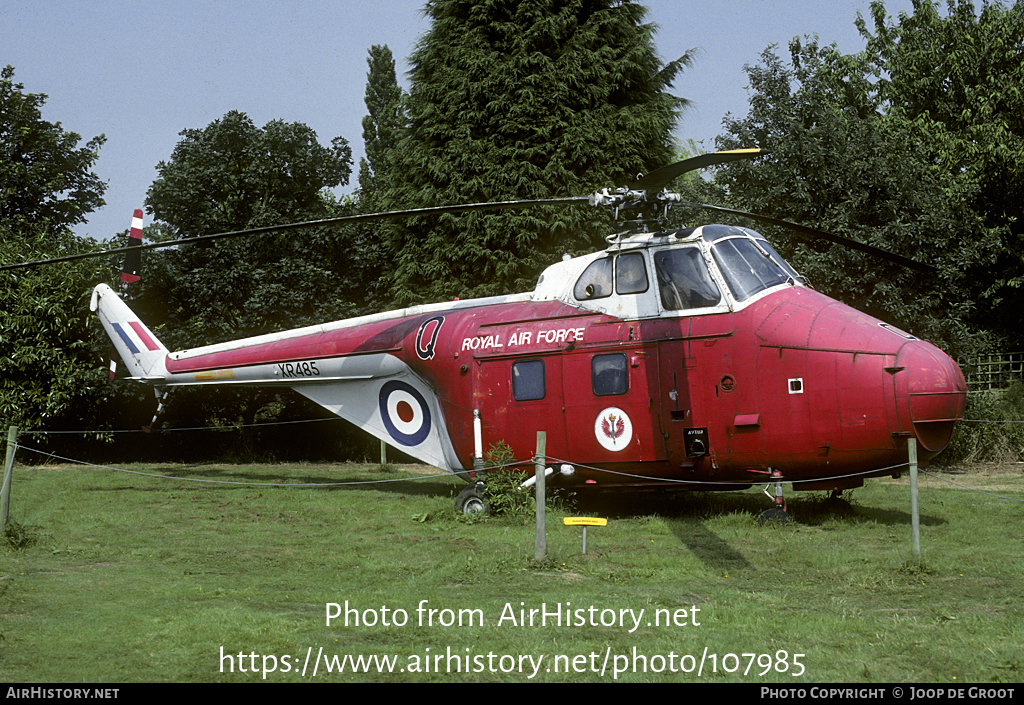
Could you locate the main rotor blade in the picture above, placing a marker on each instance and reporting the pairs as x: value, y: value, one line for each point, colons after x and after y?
x: 362, y: 218
x: 659, y: 178
x: 814, y: 232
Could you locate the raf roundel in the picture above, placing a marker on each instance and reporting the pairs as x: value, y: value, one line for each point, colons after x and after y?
x: 405, y: 413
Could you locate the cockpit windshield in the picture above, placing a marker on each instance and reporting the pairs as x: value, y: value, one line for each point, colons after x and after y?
x: 750, y: 266
x: 672, y: 272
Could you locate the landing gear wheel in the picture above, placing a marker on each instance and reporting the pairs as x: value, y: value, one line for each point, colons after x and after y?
x: 473, y: 500
x: 778, y: 514
x: 775, y: 516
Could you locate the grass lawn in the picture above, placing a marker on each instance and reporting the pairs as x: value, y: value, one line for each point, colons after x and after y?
x: 129, y: 578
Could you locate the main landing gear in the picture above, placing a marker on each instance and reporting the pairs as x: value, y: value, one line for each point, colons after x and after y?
x: 472, y: 500
x: 777, y: 514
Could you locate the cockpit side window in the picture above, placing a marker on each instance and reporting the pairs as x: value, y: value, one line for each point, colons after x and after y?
x: 630, y: 274
x: 595, y: 282
x: 747, y: 269
x: 684, y: 281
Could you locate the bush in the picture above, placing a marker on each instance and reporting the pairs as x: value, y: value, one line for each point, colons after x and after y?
x: 507, y: 497
x: 18, y: 537
x: 505, y: 494
x: 993, y: 429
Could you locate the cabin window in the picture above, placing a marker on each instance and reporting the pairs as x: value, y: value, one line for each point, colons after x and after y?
x: 630, y: 274
x: 747, y: 268
x: 595, y: 282
x: 684, y: 281
x: 528, y: 380
x: 609, y: 374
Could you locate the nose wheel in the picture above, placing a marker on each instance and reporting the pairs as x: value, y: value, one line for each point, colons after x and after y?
x: 777, y: 514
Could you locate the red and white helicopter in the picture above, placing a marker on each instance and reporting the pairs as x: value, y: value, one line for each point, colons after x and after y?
x: 694, y: 359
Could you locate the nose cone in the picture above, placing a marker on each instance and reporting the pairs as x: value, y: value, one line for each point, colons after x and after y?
x: 931, y: 393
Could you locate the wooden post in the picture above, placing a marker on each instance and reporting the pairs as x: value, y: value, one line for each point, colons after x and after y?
x: 383, y: 453
x: 5, y: 494
x: 915, y: 515
x: 540, y: 550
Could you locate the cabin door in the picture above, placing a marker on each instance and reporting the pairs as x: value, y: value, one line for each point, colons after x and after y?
x: 517, y: 397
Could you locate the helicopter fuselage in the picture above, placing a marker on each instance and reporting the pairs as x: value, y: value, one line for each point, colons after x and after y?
x: 697, y: 357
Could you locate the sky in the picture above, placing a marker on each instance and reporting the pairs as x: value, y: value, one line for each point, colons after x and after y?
x: 141, y: 72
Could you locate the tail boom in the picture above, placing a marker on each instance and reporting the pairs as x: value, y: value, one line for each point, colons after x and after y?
x: 142, y: 353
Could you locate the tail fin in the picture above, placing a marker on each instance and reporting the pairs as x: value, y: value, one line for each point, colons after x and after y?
x: 141, y: 352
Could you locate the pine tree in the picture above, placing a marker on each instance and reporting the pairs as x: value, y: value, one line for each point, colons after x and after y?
x: 518, y: 99
x: 382, y: 126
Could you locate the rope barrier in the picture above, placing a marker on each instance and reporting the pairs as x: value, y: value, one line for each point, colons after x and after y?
x: 232, y: 482
x: 971, y: 489
x: 550, y: 460
x: 183, y: 428
x: 753, y: 481
x: 257, y: 484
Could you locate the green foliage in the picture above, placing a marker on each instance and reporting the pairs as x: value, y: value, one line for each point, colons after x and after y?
x: 383, y: 127
x: 499, y: 455
x: 48, y: 364
x: 897, y: 147
x: 955, y: 85
x: 18, y: 537
x: 507, y: 497
x: 505, y: 494
x: 832, y: 165
x: 45, y: 178
x: 520, y: 100
x: 993, y: 430
x: 232, y: 175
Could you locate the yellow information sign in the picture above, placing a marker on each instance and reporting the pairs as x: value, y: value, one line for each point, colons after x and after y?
x: 584, y: 521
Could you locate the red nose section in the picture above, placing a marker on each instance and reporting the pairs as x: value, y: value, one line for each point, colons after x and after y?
x: 931, y: 392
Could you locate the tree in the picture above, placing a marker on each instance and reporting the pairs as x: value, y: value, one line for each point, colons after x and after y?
x: 45, y: 178
x: 522, y: 100
x: 382, y: 127
x: 49, y: 367
x: 832, y: 166
x: 230, y: 176
x: 955, y: 83
x: 850, y: 155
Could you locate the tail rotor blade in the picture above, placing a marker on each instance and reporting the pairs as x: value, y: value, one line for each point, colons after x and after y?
x: 131, y: 271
